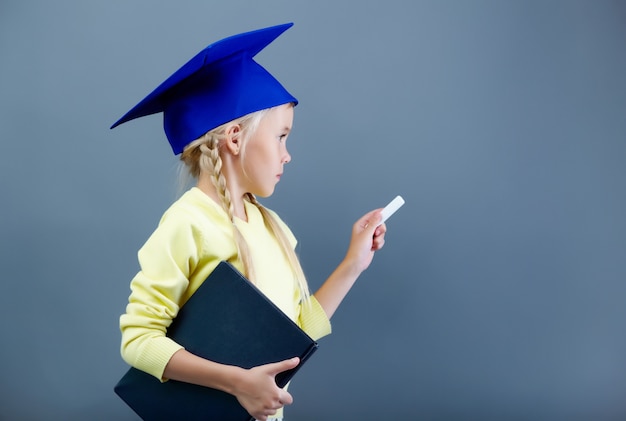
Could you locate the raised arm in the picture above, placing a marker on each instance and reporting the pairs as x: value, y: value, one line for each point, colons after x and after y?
x: 367, y: 237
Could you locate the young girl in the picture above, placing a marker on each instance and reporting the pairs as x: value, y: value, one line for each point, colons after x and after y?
x: 230, y: 120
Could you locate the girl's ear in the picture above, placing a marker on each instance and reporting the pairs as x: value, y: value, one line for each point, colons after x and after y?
x: 232, y: 136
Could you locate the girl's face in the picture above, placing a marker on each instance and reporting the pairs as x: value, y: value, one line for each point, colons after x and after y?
x: 266, y: 152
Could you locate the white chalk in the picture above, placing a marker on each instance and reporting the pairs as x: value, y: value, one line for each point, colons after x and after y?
x: 392, y: 207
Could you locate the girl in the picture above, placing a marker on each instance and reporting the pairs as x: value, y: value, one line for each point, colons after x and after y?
x: 230, y: 120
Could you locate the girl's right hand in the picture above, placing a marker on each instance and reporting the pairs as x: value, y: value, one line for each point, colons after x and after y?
x: 258, y: 393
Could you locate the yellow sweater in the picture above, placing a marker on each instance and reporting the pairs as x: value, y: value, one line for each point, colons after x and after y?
x: 193, y: 236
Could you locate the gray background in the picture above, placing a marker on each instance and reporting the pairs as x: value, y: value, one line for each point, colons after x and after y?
x: 500, y: 293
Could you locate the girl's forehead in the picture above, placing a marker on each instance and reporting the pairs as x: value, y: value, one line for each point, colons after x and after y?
x: 284, y: 112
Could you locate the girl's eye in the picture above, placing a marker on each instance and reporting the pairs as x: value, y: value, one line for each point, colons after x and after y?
x: 282, y: 137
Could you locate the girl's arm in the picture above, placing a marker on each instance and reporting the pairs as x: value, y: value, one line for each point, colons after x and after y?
x: 367, y: 237
x: 254, y: 388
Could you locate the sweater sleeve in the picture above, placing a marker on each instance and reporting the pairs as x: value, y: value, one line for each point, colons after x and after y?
x: 166, y: 260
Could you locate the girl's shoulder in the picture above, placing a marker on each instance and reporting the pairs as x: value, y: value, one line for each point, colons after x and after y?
x: 197, y: 211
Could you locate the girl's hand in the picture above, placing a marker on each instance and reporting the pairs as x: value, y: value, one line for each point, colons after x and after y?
x: 258, y: 393
x: 367, y: 237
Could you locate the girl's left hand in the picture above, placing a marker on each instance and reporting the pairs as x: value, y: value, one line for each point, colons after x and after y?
x: 368, y: 236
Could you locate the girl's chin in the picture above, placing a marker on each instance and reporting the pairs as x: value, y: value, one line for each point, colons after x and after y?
x: 264, y: 193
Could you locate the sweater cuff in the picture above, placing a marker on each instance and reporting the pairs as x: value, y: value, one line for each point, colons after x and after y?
x: 156, y: 354
x: 313, y: 319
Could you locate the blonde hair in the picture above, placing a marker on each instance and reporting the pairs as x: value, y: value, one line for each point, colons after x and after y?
x: 203, y: 155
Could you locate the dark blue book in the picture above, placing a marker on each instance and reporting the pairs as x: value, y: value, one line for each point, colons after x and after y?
x: 227, y: 320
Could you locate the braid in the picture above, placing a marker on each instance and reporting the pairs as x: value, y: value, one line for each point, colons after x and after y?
x: 205, y: 153
x: 285, y: 245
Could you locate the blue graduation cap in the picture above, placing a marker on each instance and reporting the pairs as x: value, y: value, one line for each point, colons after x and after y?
x: 218, y: 85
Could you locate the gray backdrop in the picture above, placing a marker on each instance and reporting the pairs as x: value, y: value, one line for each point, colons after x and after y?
x: 500, y: 293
